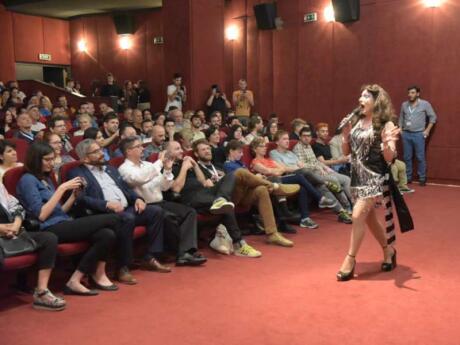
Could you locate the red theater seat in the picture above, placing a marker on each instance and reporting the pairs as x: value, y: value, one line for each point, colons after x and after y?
x: 247, y: 156
x: 75, y: 140
x: 270, y: 146
x: 69, y: 249
x: 11, y: 179
x: 292, y: 143
x: 19, y: 262
x: 66, y: 168
x: 153, y: 157
x: 21, y: 148
x: 117, y: 161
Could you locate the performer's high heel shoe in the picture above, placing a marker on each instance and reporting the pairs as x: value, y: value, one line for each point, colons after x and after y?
x: 387, y: 267
x: 345, y: 276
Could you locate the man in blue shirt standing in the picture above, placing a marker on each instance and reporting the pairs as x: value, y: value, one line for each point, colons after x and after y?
x: 413, y: 121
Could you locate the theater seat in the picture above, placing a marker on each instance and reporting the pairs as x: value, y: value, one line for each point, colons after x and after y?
x: 292, y: 143
x: 153, y: 157
x: 21, y: 148
x: 139, y: 231
x: 11, y: 179
x: 247, y: 156
x: 64, y: 170
x: 75, y: 140
x: 117, y: 161
x: 69, y: 249
x: 19, y: 262
x: 270, y: 146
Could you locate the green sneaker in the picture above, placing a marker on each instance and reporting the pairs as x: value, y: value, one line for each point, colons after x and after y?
x: 221, y: 206
x: 246, y: 250
x: 344, y: 217
x: 333, y: 187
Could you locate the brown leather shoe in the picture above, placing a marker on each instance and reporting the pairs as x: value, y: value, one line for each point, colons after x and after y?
x: 154, y: 265
x: 125, y: 277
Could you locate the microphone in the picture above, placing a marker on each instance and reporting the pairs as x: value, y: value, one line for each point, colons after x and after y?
x: 349, y: 117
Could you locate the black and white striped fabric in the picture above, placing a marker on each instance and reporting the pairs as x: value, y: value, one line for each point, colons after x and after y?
x: 389, y: 220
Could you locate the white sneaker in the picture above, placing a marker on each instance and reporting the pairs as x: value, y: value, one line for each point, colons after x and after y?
x: 222, y: 241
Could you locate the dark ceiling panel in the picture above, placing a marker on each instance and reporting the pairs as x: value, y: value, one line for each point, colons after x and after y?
x: 66, y: 9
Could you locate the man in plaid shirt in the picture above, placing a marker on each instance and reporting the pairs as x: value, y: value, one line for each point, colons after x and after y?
x: 337, y: 183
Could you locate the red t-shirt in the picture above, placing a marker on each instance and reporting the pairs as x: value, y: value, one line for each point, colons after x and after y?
x: 266, y: 162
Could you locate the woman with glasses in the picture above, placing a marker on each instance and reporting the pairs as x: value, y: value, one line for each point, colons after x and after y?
x: 42, y: 200
x: 60, y: 159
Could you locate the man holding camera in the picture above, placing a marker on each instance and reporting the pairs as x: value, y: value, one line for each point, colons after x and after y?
x: 177, y: 93
x: 217, y: 101
x: 243, y: 99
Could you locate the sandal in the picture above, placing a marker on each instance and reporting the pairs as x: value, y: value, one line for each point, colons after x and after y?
x: 45, y: 300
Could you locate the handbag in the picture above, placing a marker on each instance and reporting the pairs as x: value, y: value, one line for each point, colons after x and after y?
x: 20, y: 244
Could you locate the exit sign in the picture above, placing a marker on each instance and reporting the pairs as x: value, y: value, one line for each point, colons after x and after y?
x: 44, y: 57
x: 310, y: 17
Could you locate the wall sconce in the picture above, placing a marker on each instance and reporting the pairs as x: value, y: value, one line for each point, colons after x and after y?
x: 82, y: 47
x: 432, y: 3
x: 329, y: 15
x: 231, y: 33
x: 125, y: 42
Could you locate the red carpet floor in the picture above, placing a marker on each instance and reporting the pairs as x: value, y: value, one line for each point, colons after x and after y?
x: 289, y: 296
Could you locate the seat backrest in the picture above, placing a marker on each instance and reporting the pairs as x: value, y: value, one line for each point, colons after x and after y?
x: 270, y: 146
x: 117, y: 161
x: 75, y: 140
x: 12, y: 177
x: 65, y: 168
x: 247, y: 156
x: 292, y: 143
x: 21, y: 148
x: 189, y: 153
x: 153, y: 157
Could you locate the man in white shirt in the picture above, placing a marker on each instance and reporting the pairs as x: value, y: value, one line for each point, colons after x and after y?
x: 177, y: 93
x: 148, y: 181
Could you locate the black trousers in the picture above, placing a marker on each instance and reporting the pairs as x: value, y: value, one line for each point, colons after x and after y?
x: 98, y: 230
x: 153, y: 220
x: 202, y: 199
x: 47, y: 248
x: 180, y: 220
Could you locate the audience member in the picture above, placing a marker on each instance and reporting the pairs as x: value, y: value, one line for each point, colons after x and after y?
x: 255, y: 128
x: 96, y: 135
x: 57, y: 126
x: 8, y: 157
x: 243, y: 100
x: 144, y: 96
x: 111, y: 89
x: 270, y: 130
x: 129, y: 95
x: 24, y: 131
x: 40, y: 198
x: 296, y: 126
x: 149, y: 182
x: 217, y: 101
x: 323, y: 151
x: 158, y: 135
x: 196, y: 128
x: 84, y: 122
x: 60, y: 159
x: 218, y: 151
x: 176, y: 93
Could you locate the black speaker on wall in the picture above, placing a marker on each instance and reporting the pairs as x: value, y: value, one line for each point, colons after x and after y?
x: 124, y: 24
x: 346, y: 10
x: 265, y: 15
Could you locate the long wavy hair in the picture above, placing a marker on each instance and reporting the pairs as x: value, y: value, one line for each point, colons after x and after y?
x: 383, y: 108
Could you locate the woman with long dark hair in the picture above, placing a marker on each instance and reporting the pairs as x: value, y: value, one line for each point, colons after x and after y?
x: 42, y: 200
x: 371, y: 140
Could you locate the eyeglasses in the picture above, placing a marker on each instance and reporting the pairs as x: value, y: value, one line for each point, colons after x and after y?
x: 138, y: 146
x: 56, y: 142
x: 99, y: 150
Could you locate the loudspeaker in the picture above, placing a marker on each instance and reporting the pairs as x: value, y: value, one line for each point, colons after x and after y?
x: 124, y: 24
x: 346, y: 10
x: 265, y: 15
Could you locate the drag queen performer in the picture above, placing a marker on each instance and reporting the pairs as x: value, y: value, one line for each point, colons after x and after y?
x: 371, y: 140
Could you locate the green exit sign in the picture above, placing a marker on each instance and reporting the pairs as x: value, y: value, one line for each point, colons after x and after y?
x: 310, y: 17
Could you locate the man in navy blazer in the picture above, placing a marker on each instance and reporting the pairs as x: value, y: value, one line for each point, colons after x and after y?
x: 106, y: 191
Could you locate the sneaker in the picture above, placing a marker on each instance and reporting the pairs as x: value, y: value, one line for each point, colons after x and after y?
x: 45, y: 300
x: 285, y: 189
x: 308, y: 223
x: 244, y: 249
x: 279, y: 240
x: 221, y: 206
x: 222, y: 242
x: 344, y: 217
x: 405, y: 190
x: 333, y: 187
x: 327, y: 203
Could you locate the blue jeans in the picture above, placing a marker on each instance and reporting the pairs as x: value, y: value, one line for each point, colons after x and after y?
x: 305, y: 189
x: 414, y: 141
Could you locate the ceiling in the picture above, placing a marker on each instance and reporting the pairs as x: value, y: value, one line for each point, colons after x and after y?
x: 66, y: 9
